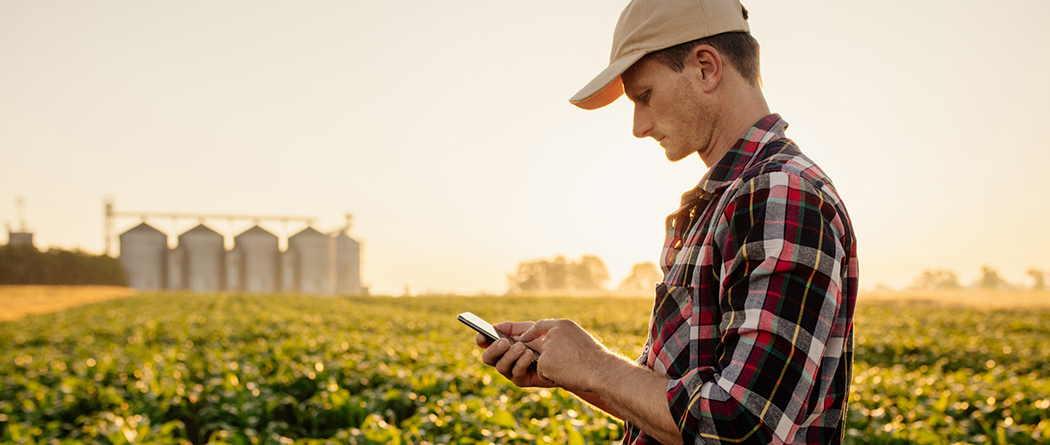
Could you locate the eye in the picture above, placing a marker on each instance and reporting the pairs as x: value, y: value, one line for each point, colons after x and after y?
x: 644, y: 97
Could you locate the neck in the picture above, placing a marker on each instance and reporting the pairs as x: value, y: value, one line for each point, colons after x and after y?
x: 738, y: 115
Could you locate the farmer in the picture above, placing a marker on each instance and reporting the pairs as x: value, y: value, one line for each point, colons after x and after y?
x: 750, y: 339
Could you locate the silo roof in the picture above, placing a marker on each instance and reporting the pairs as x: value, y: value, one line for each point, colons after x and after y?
x: 200, y: 231
x: 143, y: 229
x: 255, y: 231
x: 308, y: 232
x: 343, y: 235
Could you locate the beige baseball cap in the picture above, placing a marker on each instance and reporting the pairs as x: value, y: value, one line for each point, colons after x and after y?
x: 646, y: 26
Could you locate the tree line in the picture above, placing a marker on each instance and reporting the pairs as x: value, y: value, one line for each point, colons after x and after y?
x: 932, y: 279
x: 24, y: 264
x: 589, y: 273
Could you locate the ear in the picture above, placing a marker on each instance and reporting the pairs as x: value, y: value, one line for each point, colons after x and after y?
x: 707, y: 65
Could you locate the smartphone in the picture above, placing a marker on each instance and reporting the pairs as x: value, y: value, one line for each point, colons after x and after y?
x: 486, y: 329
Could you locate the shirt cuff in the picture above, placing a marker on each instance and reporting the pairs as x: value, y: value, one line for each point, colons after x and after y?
x: 683, y: 394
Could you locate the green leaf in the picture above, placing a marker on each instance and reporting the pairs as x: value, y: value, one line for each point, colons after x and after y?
x: 503, y: 418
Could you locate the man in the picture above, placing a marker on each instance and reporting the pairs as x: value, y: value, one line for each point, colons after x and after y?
x: 751, y: 338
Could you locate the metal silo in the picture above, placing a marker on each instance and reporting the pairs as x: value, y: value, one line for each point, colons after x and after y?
x: 347, y: 265
x: 143, y: 254
x: 205, y: 259
x: 313, y: 250
x: 259, y: 260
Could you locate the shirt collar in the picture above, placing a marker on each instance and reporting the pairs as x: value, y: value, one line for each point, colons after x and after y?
x: 733, y: 163
x: 727, y: 170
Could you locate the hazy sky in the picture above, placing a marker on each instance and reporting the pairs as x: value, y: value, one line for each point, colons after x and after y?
x: 445, y: 128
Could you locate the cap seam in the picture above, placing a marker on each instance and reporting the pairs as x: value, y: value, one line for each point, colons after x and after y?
x: 643, y: 51
x: 703, y: 10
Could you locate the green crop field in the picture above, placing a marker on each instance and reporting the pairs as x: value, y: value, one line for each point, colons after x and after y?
x: 177, y: 368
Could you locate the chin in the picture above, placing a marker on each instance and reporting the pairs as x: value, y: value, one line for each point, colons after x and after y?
x: 675, y: 156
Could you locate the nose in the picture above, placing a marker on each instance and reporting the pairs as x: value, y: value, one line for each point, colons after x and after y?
x: 643, y: 123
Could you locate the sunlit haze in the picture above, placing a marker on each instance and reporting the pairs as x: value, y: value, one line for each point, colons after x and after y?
x: 445, y: 128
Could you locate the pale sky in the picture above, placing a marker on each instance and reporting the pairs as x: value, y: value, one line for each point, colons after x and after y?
x: 445, y: 128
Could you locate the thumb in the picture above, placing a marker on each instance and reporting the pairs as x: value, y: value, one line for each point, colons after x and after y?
x: 536, y: 331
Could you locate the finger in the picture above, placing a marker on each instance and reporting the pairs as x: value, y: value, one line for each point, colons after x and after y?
x: 505, y: 328
x: 496, y: 350
x: 482, y: 341
x: 521, y: 368
x: 506, y: 363
x: 513, y: 328
x: 536, y: 345
x: 536, y: 331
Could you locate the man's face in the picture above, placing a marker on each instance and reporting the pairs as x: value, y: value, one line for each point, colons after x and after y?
x: 668, y: 107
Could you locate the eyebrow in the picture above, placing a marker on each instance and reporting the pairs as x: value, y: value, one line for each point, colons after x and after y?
x: 630, y: 96
x: 636, y: 97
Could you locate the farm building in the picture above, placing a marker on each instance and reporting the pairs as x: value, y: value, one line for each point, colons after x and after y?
x: 144, y: 256
x: 313, y: 263
x: 19, y: 238
x: 204, y: 261
x: 259, y: 267
x: 347, y: 265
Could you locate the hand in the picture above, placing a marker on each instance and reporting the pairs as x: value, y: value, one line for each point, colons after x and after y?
x: 571, y: 357
x: 513, y: 361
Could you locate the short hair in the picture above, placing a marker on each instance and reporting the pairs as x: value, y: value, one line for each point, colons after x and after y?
x: 739, y: 48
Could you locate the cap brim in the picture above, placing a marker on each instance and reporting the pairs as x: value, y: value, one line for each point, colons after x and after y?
x: 607, y: 86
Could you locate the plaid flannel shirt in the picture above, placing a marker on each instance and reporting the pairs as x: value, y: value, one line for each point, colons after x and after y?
x: 753, y: 322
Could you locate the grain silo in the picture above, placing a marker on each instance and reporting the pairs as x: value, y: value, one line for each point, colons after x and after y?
x: 259, y: 260
x: 205, y: 259
x: 347, y: 265
x: 143, y: 255
x: 312, y: 249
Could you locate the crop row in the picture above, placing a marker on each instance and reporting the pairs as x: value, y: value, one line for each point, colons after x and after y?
x: 177, y: 368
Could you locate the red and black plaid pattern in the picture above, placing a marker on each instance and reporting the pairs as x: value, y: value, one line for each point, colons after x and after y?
x: 753, y: 322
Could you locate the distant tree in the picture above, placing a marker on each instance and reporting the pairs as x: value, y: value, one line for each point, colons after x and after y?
x: 936, y: 279
x: 990, y: 279
x: 883, y: 287
x: 589, y: 273
x: 559, y: 274
x: 531, y: 276
x: 1038, y: 282
x: 643, y: 277
x: 24, y: 264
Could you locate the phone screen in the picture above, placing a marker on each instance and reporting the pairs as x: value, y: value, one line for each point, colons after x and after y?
x: 482, y: 326
x: 486, y: 329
